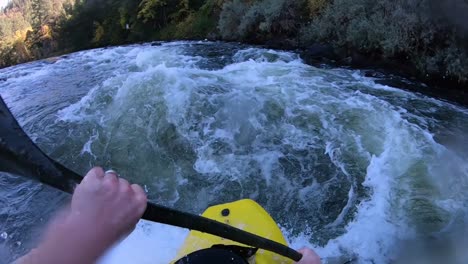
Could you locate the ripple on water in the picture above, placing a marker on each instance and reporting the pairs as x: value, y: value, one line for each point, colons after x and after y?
x: 345, y: 165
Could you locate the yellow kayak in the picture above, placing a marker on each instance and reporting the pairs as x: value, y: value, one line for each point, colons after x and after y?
x: 243, y: 214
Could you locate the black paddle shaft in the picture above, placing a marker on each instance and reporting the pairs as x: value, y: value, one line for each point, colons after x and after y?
x: 20, y: 155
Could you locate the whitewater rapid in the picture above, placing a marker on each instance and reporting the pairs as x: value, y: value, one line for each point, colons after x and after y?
x: 352, y: 168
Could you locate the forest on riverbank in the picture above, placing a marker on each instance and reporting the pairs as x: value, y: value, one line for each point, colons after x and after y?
x: 426, y: 38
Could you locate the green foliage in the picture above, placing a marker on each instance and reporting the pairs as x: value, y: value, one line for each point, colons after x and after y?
x: 151, y: 9
x: 365, y: 24
x: 29, y: 29
x: 14, y: 53
x: 197, y: 25
x: 45, y: 11
x: 10, y: 23
x: 98, y: 33
x: 192, y: 24
x: 241, y: 20
x: 23, y: 6
x: 430, y: 34
x: 230, y: 19
x: 403, y: 29
x: 183, y: 11
x: 316, y: 6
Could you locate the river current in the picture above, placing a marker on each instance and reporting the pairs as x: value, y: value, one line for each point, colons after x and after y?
x: 359, y: 171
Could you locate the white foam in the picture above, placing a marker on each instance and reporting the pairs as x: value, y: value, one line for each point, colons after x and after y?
x: 206, y: 166
x: 87, y: 146
x: 150, y: 243
x: 258, y: 55
x: 267, y: 161
x: 171, y: 80
x: 73, y: 112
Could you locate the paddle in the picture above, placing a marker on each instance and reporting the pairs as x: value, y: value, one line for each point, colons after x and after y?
x: 19, y: 155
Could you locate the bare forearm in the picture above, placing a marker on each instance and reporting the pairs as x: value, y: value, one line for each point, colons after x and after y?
x: 103, y: 210
x: 67, y: 243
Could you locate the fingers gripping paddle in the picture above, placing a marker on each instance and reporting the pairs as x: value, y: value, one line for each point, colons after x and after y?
x: 19, y: 155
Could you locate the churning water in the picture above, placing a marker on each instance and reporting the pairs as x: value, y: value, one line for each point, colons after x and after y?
x: 357, y: 170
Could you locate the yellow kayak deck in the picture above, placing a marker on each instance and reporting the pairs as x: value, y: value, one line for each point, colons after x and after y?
x: 243, y: 214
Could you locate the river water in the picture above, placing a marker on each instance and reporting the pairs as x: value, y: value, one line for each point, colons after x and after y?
x: 357, y: 170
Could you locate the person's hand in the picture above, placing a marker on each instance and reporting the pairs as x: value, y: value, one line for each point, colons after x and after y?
x: 103, y: 210
x: 309, y: 256
x: 107, y: 206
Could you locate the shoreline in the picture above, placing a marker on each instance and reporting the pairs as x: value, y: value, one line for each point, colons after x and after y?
x: 393, y: 73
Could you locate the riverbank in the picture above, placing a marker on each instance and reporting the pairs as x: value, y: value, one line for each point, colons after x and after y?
x: 389, y: 72
x: 422, y: 40
x: 386, y: 72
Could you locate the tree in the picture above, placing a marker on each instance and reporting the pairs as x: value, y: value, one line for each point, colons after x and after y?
x: 158, y: 12
x: 40, y: 12
x: 150, y: 9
